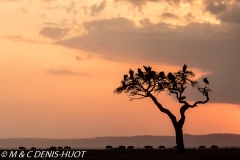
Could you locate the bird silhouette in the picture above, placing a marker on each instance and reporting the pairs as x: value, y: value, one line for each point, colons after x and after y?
x: 131, y: 73
x: 140, y: 73
x: 147, y: 69
x: 125, y: 76
x: 153, y: 74
x: 124, y: 85
x: 171, y: 77
x: 184, y: 68
x: 205, y: 80
x: 161, y: 74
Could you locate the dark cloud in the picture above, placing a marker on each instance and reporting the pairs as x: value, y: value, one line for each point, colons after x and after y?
x: 226, y: 11
x: 169, y: 15
x: 140, y: 3
x: 54, y: 33
x: 95, y: 9
x: 215, y: 6
x: 146, y: 22
x: 231, y: 16
x: 65, y: 72
x: 213, y: 48
x: 109, y: 24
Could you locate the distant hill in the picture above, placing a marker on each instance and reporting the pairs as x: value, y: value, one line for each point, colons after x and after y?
x: 191, y: 141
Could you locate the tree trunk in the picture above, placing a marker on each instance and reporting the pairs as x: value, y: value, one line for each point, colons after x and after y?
x: 179, y: 139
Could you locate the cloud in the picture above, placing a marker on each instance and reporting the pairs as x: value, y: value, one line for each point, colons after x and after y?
x: 215, y: 6
x: 10, y: 0
x: 54, y: 33
x: 65, y: 72
x: 140, y: 3
x: 48, y: 1
x: 109, y: 24
x: 22, y: 10
x: 231, y: 16
x: 95, y: 9
x: 169, y: 15
x: 189, y: 17
x: 89, y: 56
x: 226, y: 11
x: 213, y: 48
x: 71, y: 8
x: 50, y: 23
x: 18, y: 39
x: 146, y: 22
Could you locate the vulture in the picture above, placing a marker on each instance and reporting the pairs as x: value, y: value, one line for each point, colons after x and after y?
x: 205, y: 80
x: 171, y: 76
x: 131, y: 73
x: 147, y: 69
x: 161, y: 74
x: 153, y: 74
x: 184, y: 68
x: 125, y: 76
x: 140, y: 73
x: 124, y: 85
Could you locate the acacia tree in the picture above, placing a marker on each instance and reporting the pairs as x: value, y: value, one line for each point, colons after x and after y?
x: 144, y: 84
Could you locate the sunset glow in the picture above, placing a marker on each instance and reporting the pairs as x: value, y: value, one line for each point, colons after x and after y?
x: 60, y: 62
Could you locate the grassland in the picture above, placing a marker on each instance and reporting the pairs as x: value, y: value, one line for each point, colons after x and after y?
x: 156, y: 154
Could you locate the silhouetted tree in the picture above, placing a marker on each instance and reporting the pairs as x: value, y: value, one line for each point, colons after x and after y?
x: 144, y: 84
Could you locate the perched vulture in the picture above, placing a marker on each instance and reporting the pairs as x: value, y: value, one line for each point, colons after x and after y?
x: 205, y: 80
x: 140, y: 73
x: 125, y: 76
x: 171, y: 76
x: 124, y: 85
x: 184, y: 68
x: 161, y: 74
x: 131, y: 73
x: 147, y: 69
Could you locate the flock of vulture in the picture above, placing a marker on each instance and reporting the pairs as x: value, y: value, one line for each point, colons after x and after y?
x: 151, y: 147
x: 151, y: 74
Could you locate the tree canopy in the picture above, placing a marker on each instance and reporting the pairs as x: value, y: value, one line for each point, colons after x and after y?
x: 139, y: 85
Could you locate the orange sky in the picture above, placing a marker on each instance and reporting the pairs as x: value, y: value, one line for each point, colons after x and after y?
x: 53, y: 86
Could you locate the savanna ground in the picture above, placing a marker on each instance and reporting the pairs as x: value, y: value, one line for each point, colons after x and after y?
x: 154, y: 154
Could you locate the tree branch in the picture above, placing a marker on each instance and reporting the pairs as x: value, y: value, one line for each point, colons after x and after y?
x: 201, y: 102
x: 153, y: 86
x: 182, y: 111
x: 162, y: 109
x: 178, y: 97
x: 137, y: 98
